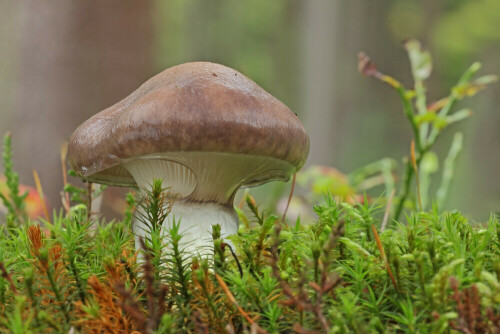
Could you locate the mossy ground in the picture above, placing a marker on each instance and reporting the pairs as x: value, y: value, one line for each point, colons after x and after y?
x: 353, y: 268
x: 436, y: 274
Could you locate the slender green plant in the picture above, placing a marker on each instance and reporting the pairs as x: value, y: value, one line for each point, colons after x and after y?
x: 13, y: 200
x: 427, y: 120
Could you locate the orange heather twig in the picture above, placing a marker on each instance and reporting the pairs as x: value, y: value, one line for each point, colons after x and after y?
x: 40, y: 193
x: 35, y: 238
x: 231, y: 298
x: 111, y: 317
x: 119, y: 312
x: 414, y: 164
x: 6, y: 275
x: 382, y: 253
x: 52, y: 280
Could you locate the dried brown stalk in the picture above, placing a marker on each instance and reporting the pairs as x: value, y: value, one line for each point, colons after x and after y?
x: 6, y: 275
x: 468, y: 307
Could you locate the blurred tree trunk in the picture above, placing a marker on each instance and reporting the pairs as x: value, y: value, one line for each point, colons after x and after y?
x: 340, y: 115
x: 8, y: 38
x: 75, y: 58
x: 319, y: 55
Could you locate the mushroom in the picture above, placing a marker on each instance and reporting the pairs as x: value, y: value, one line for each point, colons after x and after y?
x: 206, y: 130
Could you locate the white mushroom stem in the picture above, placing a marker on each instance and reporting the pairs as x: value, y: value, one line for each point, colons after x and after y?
x: 205, y: 183
x: 196, y: 220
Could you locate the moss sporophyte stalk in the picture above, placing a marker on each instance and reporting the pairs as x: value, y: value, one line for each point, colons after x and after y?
x: 350, y: 268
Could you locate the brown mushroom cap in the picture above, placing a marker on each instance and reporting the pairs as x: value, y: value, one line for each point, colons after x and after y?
x: 193, y: 107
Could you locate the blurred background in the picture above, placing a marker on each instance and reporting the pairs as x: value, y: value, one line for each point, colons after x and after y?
x: 63, y: 61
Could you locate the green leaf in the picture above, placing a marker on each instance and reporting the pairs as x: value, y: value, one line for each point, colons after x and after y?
x: 428, y: 117
x: 430, y: 163
x: 459, y: 116
x: 421, y: 61
x: 469, y: 89
x: 440, y: 123
x: 449, y: 168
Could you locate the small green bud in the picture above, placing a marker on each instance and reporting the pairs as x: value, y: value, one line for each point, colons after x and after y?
x: 28, y: 275
x: 216, y: 231
x: 43, y: 254
x: 316, y: 250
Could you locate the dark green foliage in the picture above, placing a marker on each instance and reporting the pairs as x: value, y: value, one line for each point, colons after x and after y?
x: 346, y: 271
x: 427, y: 120
x: 13, y: 200
x: 328, y: 276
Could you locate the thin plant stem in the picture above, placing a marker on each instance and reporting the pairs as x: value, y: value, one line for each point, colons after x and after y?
x: 289, y: 199
x: 57, y: 293
x: 406, y: 186
x: 65, y: 199
x: 89, y: 200
x: 6, y: 275
x: 387, y: 210
x: 384, y: 258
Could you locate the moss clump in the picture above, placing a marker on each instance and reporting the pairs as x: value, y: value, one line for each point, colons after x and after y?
x: 347, y: 270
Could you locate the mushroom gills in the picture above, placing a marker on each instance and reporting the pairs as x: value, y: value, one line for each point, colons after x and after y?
x: 177, y: 178
x: 205, y: 183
